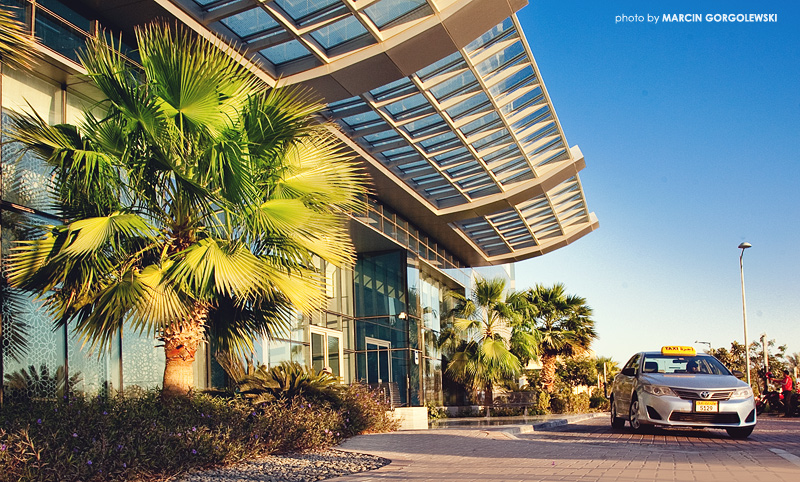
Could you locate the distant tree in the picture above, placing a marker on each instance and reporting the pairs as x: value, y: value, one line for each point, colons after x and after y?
x: 733, y: 358
x: 564, y: 324
x: 480, y: 355
x: 793, y: 361
x: 611, y: 369
x: 578, y: 371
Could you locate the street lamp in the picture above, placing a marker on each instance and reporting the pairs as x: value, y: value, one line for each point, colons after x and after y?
x: 744, y: 246
x: 704, y: 343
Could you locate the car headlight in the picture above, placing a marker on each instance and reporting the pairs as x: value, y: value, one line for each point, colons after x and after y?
x: 741, y: 393
x: 658, y: 390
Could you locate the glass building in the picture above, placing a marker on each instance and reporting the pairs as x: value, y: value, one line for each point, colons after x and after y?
x: 440, y: 99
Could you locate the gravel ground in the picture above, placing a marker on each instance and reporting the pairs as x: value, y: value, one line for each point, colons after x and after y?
x: 301, y: 467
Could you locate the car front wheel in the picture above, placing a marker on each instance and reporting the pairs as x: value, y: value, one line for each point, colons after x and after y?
x: 636, y: 424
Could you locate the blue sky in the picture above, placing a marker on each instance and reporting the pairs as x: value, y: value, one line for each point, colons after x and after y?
x: 690, y: 133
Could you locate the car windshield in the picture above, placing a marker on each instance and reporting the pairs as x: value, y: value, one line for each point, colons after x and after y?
x: 683, y: 364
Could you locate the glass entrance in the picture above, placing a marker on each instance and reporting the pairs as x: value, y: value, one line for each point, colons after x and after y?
x: 379, y: 361
x: 326, y: 350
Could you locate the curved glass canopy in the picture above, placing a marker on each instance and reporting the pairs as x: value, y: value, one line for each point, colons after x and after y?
x: 474, y: 128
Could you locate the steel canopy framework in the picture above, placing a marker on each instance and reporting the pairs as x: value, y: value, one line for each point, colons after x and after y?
x: 442, y: 99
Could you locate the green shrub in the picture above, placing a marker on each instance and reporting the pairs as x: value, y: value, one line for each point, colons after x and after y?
x: 469, y: 412
x: 543, y: 403
x: 93, y: 439
x: 599, y: 402
x: 579, y: 403
x: 364, y: 410
x: 435, y: 411
x: 507, y: 411
x: 558, y: 403
x: 568, y: 402
x: 286, y: 381
x: 293, y: 380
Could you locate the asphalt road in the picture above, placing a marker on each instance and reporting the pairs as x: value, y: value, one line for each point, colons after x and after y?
x: 585, y: 451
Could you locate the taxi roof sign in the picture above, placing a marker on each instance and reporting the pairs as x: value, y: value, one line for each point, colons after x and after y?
x: 678, y: 350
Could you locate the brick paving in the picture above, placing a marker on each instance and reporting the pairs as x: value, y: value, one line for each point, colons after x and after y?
x: 585, y: 451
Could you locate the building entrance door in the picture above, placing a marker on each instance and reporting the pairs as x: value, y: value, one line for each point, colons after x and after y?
x: 379, y: 361
x: 326, y: 350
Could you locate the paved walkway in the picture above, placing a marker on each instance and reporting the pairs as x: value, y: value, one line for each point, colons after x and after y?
x: 584, y: 451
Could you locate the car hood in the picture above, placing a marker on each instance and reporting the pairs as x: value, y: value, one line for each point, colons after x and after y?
x: 701, y: 381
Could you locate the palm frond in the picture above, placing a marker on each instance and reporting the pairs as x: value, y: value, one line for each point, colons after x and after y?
x: 16, y: 41
x: 159, y: 304
x: 111, y: 308
x: 322, y: 173
x: 28, y: 257
x: 199, y: 83
x: 234, y: 324
x: 497, y: 357
x: 87, y: 236
x: 215, y: 267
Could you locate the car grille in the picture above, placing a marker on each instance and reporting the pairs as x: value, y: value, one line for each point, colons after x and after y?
x: 695, y: 394
x: 723, y: 417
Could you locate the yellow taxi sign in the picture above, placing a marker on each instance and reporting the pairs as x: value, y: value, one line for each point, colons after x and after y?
x: 678, y: 350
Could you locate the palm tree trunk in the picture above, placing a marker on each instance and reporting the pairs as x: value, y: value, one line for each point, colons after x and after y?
x: 488, y: 398
x: 548, y: 372
x: 181, y: 340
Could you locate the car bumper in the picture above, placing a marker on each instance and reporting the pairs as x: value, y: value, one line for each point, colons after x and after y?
x: 674, y: 411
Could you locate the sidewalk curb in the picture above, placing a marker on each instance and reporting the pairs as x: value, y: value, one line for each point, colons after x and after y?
x: 510, y: 432
x: 564, y: 421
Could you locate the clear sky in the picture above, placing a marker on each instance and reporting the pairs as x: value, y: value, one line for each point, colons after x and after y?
x: 690, y: 133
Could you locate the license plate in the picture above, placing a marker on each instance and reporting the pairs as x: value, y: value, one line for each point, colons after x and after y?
x: 706, y: 406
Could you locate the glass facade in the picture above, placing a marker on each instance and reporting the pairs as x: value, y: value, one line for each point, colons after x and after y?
x: 38, y: 361
x: 467, y: 127
x: 330, y: 28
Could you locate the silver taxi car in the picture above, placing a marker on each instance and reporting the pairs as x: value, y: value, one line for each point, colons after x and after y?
x: 679, y: 387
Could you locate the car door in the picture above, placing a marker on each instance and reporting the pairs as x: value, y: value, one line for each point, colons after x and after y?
x: 625, y: 383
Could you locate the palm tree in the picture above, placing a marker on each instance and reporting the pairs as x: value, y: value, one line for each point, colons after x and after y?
x: 195, y: 205
x: 793, y: 361
x: 481, y: 354
x: 607, y: 369
x: 564, y: 324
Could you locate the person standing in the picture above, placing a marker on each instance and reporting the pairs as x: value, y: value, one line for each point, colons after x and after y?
x: 786, y: 391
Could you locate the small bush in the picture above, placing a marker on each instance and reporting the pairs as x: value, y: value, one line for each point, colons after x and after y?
x: 579, y: 403
x: 558, y: 404
x: 599, y: 402
x: 568, y: 402
x: 507, y: 411
x: 364, y: 410
x: 469, y: 412
x: 543, y: 403
x: 93, y: 439
x: 436, y: 412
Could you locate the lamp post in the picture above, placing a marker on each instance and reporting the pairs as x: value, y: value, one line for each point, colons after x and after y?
x: 704, y: 343
x: 744, y: 246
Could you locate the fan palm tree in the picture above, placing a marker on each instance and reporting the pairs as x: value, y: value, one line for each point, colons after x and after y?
x: 195, y: 205
x: 793, y: 361
x: 480, y: 338
x: 564, y: 325
x: 607, y: 369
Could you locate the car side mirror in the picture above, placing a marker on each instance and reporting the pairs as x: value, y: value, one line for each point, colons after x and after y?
x: 738, y: 374
x: 629, y: 372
